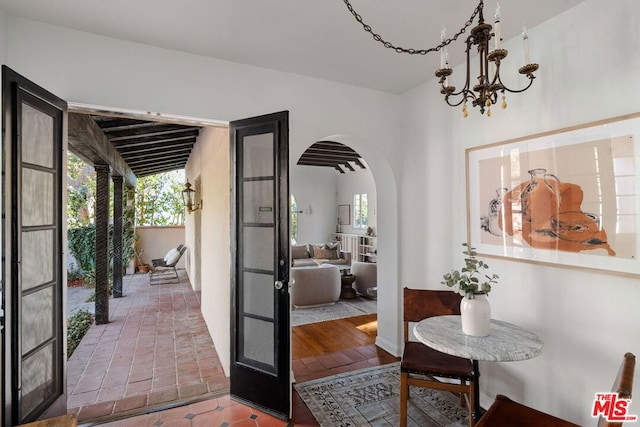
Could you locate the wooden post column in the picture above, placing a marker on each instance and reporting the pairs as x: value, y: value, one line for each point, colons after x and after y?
x: 102, y: 243
x: 117, y: 235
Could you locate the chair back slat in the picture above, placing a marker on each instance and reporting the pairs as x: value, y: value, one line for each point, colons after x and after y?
x: 422, y: 303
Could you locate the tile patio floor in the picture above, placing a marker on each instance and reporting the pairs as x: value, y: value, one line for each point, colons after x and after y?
x: 156, y: 349
x: 155, y: 365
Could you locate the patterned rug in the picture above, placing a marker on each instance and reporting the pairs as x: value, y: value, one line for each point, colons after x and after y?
x: 339, y: 310
x: 371, y: 397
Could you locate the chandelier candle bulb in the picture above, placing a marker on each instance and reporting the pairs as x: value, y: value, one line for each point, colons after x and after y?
x: 497, y: 34
x: 525, y: 41
x: 443, y: 51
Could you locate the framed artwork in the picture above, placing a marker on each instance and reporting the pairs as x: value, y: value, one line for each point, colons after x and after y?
x: 344, y: 214
x: 567, y: 197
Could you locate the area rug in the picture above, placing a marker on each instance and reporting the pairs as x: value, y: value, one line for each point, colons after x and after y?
x: 339, y: 310
x: 371, y: 397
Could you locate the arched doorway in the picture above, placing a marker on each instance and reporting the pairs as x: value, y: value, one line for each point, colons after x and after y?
x: 389, y: 324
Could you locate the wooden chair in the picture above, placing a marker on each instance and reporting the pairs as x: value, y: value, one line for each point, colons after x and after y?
x: 504, y: 411
x: 422, y: 365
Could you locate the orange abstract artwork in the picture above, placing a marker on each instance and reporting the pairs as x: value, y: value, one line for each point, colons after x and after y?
x: 547, y: 214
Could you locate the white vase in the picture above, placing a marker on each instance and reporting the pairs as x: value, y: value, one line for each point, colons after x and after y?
x: 476, y: 316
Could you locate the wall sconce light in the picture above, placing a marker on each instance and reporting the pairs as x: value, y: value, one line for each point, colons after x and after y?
x: 189, y: 198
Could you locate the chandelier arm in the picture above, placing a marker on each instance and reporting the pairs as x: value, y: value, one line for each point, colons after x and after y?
x: 410, y: 51
x: 521, y: 90
x: 446, y: 99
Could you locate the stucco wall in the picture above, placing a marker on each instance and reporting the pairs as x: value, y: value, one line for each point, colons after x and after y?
x: 156, y: 241
x: 208, y: 166
x: 587, y: 320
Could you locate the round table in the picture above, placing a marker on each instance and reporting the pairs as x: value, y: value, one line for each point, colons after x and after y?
x: 506, y: 343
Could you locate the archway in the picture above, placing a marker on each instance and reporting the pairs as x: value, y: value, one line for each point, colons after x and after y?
x: 389, y: 324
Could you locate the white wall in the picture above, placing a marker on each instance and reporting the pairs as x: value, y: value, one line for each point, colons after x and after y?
x: 209, y: 165
x: 3, y: 36
x: 359, y: 181
x: 587, y: 320
x: 315, y: 191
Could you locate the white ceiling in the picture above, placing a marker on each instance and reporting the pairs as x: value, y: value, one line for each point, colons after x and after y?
x: 317, y: 38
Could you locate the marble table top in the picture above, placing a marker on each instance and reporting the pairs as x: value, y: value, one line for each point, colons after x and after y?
x: 507, y: 342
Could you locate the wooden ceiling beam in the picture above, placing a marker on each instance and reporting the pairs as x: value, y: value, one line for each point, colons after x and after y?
x: 186, y: 141
x: 87, y: 141
x: 158, y: 132
x: 159, y: 160
x: 159, y: 169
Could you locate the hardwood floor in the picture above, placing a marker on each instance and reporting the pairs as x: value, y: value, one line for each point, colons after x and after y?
x: 327, y: 337
x: 328, y: 348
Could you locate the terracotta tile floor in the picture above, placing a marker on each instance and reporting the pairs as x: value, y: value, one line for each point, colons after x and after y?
x: 156, y: 349
x: 156, y: 352
x: 224, y: 412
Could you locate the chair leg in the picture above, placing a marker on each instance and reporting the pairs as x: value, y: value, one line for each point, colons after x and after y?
x: 404, y: 397
x: 471, y: 406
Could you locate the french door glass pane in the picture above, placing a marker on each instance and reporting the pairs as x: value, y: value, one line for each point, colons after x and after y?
x: 258, y: 155
x: 258, y: 248
x: 258, y: 288
x: 37, y: 327
x: 37, y: 262
x: 37, y: 197
x: 258, y: 202
x: 258, y: 341
x: 37, y: 128
x: 37, y: 378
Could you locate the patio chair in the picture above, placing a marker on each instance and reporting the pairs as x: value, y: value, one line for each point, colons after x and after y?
x: 169, y: 262
x: 504, y: 411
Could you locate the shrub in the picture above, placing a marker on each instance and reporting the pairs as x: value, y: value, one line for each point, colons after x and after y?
x: 78, y: 324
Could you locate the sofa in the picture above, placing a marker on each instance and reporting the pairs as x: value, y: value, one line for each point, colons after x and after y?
x: 318, y: 254
x: 315, y: 286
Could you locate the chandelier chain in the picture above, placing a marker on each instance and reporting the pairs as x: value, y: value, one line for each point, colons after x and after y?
x: 398, y: 49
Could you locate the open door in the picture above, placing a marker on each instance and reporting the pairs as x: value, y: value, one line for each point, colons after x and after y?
x: 33, y: 344
x: 260, y: 331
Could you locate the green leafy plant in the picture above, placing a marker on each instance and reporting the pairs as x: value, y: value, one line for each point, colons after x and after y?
x: 472, y: 279
x: 78, y: 324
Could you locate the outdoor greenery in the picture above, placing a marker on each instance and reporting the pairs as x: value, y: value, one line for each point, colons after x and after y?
x: 159, y: 199
x: 159, y: 202
x: 78, y: 324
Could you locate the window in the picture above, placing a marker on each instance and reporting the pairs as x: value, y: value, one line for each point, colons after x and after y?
x: 360, y: 211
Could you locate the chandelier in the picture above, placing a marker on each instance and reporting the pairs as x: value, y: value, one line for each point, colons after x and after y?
x: 485, y: 91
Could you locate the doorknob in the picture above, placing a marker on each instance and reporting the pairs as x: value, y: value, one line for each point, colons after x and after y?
x: 279, y: 284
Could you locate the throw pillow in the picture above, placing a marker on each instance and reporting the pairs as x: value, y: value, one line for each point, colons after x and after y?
x: 172, y: 256
x: 332, y: 245
x: 312, y: 249
x: 299, y: 251
x: 326, y: 253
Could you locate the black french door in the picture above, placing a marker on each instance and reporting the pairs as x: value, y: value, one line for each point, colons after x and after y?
x: 260, y: 331
x: 33, y: 344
